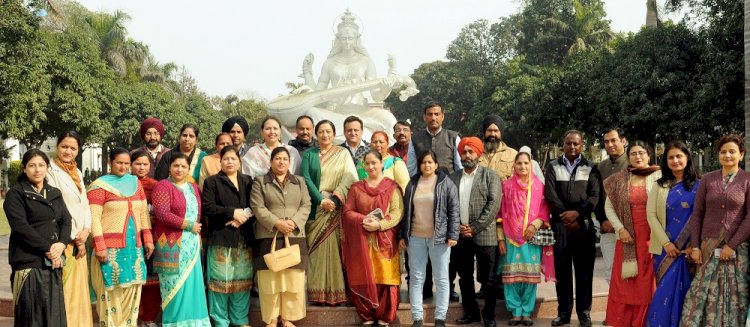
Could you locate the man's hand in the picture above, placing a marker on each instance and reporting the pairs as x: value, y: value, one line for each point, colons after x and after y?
x: 606, y: 227
x: 569, y: 216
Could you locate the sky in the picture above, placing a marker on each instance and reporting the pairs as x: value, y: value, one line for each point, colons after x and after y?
x: 252, y: 48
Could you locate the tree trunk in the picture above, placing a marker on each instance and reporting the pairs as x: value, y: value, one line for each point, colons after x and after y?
x: 652, y: 13
x: 747, y: 81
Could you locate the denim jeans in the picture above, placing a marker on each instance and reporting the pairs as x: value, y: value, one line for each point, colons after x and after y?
x: 419, y: 249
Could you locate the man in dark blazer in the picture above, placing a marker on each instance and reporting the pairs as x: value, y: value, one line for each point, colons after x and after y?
x: 479, y: 193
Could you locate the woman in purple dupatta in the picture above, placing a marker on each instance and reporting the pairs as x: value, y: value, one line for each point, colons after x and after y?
x: 524, y: 211
x: 670, y: 205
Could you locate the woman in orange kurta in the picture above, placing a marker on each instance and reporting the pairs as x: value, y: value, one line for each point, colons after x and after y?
x: 372, y: 215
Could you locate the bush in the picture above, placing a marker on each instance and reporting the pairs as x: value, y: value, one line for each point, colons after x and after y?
x: 13, y: 172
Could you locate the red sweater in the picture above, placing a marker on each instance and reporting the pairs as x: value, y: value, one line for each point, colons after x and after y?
x: 169, y: 208
x: 716, y: 207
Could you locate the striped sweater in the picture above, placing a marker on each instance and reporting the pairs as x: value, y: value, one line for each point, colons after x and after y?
x: 109, y: 217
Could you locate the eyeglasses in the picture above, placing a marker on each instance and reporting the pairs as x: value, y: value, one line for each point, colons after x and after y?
x: 638, y: 154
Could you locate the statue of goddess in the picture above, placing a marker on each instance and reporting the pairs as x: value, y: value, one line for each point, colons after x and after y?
x: 347, y: 85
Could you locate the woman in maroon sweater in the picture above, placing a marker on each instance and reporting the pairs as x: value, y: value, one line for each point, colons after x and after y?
x: 720, y: 226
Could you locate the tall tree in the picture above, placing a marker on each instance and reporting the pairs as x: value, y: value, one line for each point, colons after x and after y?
x: 747, y: 80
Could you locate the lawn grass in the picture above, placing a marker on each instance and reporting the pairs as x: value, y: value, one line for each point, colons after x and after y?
x: 4, y: 227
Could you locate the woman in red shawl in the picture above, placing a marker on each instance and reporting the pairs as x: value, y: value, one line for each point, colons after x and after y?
x: 148, y: 311
x: 372, y: 215
x: 524, y: 212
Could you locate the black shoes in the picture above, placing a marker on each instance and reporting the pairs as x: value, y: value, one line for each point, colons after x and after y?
x: 585, y: 319
x: 416, y: 323
x: 439, y: 323
x: 467, y: 319
x: 454, y: 296
x: 490, y: 323
x: 561, y: 320
x: 526, y: 321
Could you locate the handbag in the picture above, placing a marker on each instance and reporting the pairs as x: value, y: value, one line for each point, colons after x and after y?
x: 543, y: 237
x: 288, y: 256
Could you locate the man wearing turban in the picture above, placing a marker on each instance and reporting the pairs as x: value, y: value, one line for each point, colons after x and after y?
x: 152, y: 131
x: 237, y: 128
x: 479, y: 193
x: 498, y: 156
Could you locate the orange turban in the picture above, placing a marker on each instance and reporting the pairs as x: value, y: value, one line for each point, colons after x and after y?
x: 474, y: 142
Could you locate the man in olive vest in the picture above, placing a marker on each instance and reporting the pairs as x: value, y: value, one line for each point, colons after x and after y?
x: 442, y: 141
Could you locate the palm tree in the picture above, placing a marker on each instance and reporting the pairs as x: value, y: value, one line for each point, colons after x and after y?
x: 652, y: 13
x: 586, y: 29
x: 120, y: 52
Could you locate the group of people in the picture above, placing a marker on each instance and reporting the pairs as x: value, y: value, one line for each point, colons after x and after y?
x: 177, y: 237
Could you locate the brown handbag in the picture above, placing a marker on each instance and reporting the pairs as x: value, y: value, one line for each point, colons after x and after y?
x: 288, y: 256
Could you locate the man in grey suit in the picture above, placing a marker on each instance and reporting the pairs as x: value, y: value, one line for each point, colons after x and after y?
x: 479, y: 193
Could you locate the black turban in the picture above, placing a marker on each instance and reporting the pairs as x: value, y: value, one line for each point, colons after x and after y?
x: 492, y: 119
x: 239, y: 120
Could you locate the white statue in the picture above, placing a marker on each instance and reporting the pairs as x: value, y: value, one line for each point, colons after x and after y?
x: 347, y: 85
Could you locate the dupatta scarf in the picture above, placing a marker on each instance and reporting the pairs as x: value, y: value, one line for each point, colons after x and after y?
x: 522, y: 204
x: 357, y: 241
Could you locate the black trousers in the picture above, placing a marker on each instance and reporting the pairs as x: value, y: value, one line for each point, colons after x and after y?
x: 574, y: 249
x: 462, y: 255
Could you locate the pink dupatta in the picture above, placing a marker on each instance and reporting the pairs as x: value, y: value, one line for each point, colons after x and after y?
x: 521, y: 205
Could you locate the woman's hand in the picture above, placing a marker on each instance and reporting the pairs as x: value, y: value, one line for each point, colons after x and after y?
x: 695, y: 254
x: 57, y: 263
x: 502, y: 247
x: 149, y: 250
x: 530, y: 232
x: 239, y: 216
x: 284, y: 227
x: 81, y: 251
x: 671, y: 250
x: 625, y: 237
x: 371, y: 225
x: 452, y: 243
x: 328, y: 205
x: 726, y: 254
x: 55, y: 251
x: 402, y: 245
x: 101, y: 256
x: 196, y: 228
x: 82, y: 236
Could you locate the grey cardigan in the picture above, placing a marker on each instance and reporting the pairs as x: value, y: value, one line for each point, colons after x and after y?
x: 447, y: 209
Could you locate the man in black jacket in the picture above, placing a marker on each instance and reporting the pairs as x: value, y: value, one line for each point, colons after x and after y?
x: 572, y: 193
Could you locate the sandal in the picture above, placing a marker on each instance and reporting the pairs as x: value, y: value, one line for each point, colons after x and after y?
x: 273, y: 323
x: 287, y: 323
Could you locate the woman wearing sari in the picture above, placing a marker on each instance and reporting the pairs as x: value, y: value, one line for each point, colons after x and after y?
x: 281, y: 204
x: 372, y: 215
x: 229, y: 267
x: 257, y: 161
x: 177, y: 208
x: 670, y: 204
x: 524, y: 211
x: 120, y: 227
x: 720, y: 226
x: 211, y: 164
x: 150, y: 297
x: 632, y: 283
x: 328, y: 171
x: 393, y: 167
x: 64, y: 174
x: 188, y: 146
